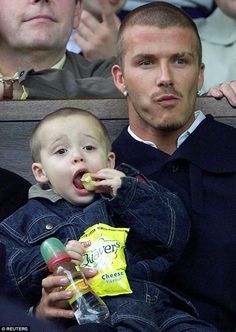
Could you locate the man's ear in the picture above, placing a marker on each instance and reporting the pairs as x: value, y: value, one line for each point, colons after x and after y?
x: 111, y: 160
x: 201, y: 76
x: 78, y: 11
x: 39, y: 173
x: 118, y: 79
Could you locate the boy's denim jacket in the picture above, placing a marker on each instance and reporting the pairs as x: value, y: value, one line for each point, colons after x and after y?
x: 158, y: 222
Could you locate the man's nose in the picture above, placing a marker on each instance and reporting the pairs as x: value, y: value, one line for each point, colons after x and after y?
x: 164, y: 76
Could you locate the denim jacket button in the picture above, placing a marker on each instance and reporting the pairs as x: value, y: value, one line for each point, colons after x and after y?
x: 49, y: 226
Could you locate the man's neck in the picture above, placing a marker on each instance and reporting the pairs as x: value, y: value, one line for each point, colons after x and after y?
x: 10, y: 62
x: 165, y: 141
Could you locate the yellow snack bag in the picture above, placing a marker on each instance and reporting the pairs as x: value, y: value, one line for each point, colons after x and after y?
x: 106, y: 254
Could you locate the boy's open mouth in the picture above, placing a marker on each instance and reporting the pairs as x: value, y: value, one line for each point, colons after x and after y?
x: 77, y: 179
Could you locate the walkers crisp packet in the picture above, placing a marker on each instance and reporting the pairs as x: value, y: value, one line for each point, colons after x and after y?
x: 106, y: 254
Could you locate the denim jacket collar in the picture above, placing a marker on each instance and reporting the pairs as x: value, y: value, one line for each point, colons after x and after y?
x: 39, y: 191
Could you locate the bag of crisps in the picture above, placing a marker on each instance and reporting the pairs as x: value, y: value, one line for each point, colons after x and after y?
x: 106, y: 255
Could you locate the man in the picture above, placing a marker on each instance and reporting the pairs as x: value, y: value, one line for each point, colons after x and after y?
x: 33, y: 62
x: 160, y: 70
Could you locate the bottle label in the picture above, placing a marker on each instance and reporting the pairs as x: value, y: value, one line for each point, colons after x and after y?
x: 78, y: 288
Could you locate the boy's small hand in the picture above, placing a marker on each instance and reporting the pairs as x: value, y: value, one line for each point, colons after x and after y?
x: 76, y: 250
x: 108, y: 180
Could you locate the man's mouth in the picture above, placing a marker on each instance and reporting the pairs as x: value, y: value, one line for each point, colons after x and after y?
x: 39, y: 17
x: 166, y: 97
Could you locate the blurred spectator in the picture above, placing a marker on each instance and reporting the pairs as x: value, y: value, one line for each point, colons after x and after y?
x: 218, y: 35
x: 98, y: 28
x: 33, y: 58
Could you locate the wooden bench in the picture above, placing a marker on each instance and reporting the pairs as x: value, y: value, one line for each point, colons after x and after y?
x: 17, y: 119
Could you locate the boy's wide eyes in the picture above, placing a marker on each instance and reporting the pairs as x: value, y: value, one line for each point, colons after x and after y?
x: 88, y: 147
x: 61, y: 151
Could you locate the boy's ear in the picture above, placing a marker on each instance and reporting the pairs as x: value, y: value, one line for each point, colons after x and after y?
x: 39, y: 173
x: 111, y: 160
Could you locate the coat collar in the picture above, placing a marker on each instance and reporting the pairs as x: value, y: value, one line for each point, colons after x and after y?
x: 211, y: 147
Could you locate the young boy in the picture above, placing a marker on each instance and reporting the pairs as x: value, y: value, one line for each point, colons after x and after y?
x: 66, y: 144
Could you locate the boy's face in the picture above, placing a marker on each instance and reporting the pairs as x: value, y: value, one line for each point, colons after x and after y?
x: 71, y: 146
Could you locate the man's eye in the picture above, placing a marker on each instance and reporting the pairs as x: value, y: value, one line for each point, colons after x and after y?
x: 181, y: 61
x: 146, y: 62
x: 61, y: 151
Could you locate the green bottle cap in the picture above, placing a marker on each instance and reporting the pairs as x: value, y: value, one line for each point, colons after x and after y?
x: 53, y: 251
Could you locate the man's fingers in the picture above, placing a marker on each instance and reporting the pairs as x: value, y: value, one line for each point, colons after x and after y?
x: 89, y: 21
x: 52, y: 282
x: 60, y: 313
x: 89, y: 273
x: 108, y: 15
x: 215, y: 92
x: 227, y: 90
x: 106, y: 7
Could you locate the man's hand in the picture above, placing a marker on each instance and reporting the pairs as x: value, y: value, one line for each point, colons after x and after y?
x: 97, y: 39
x: 53, y: 303
x: 227, y: 90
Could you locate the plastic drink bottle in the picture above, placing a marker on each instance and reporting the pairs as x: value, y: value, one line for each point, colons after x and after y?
x: 87, y: 306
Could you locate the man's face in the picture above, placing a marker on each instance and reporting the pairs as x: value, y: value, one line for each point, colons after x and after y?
x: 161, y: 73
x: 28, y: 24
x: 228, y: 7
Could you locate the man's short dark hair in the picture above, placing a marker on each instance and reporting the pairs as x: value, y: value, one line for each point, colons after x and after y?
x: 160, y: 14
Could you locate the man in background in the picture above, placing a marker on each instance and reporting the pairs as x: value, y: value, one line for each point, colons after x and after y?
x: 33, y: 58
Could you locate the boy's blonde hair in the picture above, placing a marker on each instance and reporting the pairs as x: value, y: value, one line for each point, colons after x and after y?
x: 35, y: 144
